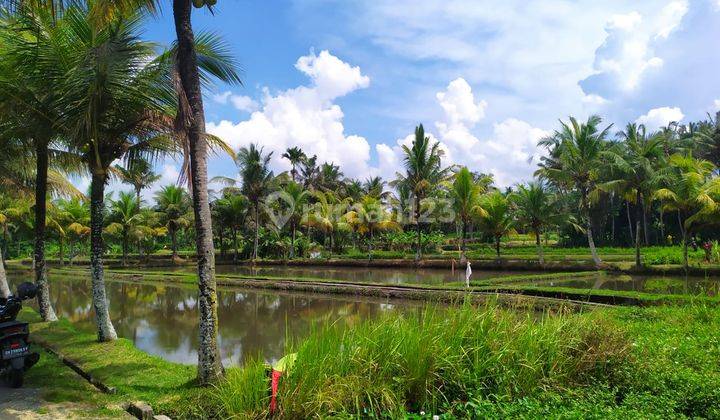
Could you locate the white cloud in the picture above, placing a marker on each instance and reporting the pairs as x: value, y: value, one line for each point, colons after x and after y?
x: 240, y: 102
x: 510, y: 153
x: 660, y: 117
x: 629, y: 49
x: 594, y: 100
x: 716, y: 102
x: 306, y: 117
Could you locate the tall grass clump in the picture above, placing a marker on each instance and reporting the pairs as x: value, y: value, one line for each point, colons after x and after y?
x: 245, y: 391
x: 430, y: 359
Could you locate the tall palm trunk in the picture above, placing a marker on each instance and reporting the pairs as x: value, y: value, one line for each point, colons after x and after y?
x: 173, y: 243
x: 4, y: 287
x: 210, y: 368
x: 497, y: 245
x: 125, y: 246
x: 105, y: 329
x: 418, y: 249
x: 62, y: 251
x: 591, y: 241
x: 684, y: 235
x: 538, y: 244
x: 46, y: 310
x: 235, y: 244
x: 257, y: 231
x: 463, y: 258
x: 638, y: 215
x: 627, y: 211
x: 644, y: 220
x: 292, y: 244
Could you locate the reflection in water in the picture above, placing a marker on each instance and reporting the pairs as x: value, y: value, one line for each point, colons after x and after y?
x: 356, y: 274
x: 162, y: 320
x: 647, y: 284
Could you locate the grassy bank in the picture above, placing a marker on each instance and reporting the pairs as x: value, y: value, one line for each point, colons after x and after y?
x: 168, y: 387
x: 612, y: 363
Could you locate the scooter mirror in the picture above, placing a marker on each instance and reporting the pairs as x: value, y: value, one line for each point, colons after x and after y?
x: 26, y: 290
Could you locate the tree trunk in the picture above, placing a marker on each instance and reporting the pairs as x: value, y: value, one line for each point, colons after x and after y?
x: 644, y: 221
x: 591, y: 243
x: 538, y: 244
x: 684, y: 235
x: 418, y: 250
x: 173, y: 243
x: 612, y: 217
x: 292, y: 243
x: 638, y: 215
x: 235, y: 245
x: 257, y: 231
x: 124, y: 247
x: 463, y: 258
x: 62, y: 251
x: 222, y: 246
x: 43, y: 296
x: 105, y: 329
x: 210, y: 368
x: 497, y: 245
x: 627, y: 211
x: 4, y: 287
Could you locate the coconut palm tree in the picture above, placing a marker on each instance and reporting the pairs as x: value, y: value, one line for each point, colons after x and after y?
x: 689, y: 190
x: 232, y: 209
x: 328, y: 214
x: 124, y: 215
x: 369, y: 216
x: 423, y: 171
x: 574, y: 161
x: 74, y: 216
x: 173, y: 205
x: 636, y: 162
x: 295, y: 155
x: 139, y: 174
x: 465, y: 194
x: 496, y: 220
x: 256, y: 179
x: 30, y: 113
x: 534, y: 209
x: 116, y: 102
x: 375, y: 187
x: 297, y: 197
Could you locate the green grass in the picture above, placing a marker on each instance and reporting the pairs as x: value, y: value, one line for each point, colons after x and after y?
x: 486, y: 362
x: 168, y: 387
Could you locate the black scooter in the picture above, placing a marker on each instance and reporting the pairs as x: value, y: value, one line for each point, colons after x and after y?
x: 15, y: 355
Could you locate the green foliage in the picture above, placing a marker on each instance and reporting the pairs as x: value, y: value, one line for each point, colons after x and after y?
x: 463, y: 362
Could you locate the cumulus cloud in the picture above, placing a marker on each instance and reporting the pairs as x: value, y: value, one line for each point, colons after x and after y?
x: 660, y: 117
x: 240, y: 102
x: 509, y: 153
x: 307, y: 117
x: 629, y: 49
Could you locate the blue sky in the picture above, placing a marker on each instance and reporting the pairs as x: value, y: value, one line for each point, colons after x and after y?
x: 348, y: 79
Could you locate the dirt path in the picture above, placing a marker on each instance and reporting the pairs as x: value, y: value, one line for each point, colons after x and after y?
x: 28, y: 404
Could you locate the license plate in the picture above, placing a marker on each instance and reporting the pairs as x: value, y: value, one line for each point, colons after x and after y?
x: 10, y: 353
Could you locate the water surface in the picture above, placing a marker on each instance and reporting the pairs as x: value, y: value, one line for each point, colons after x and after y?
x: 639, y: 283
x: 355, y: 274
x: 163, y: 319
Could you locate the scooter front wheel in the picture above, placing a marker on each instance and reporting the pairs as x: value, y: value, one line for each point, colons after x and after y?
x: 15, y: 378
